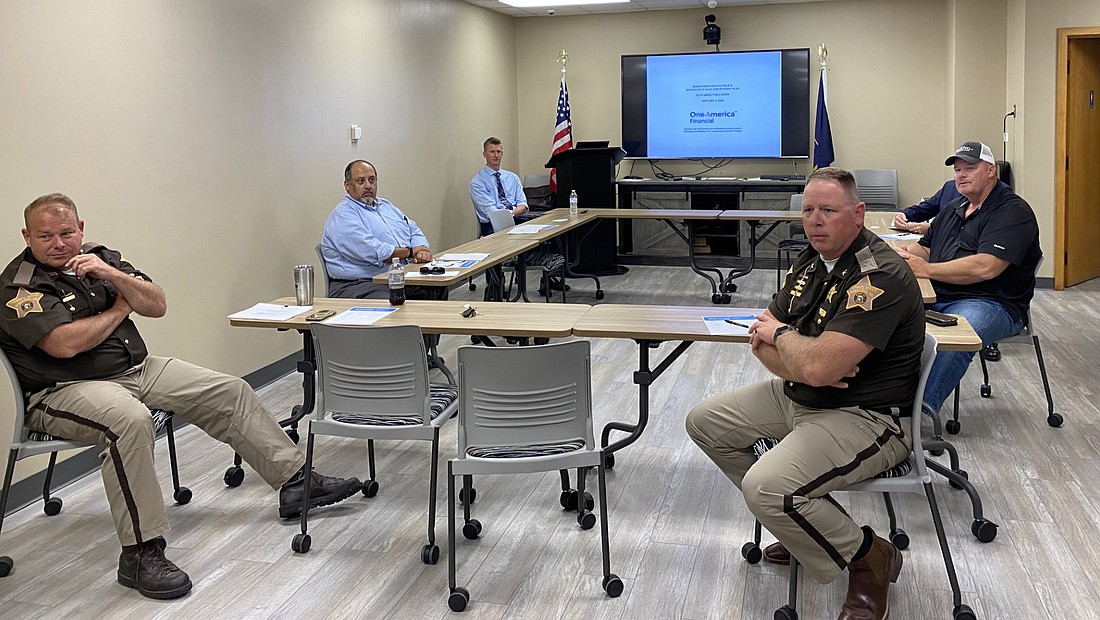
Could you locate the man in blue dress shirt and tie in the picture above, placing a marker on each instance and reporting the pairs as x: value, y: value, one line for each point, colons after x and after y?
x: 492, y: 189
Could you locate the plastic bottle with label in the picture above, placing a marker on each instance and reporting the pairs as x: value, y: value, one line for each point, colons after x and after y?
x: 397, y: 283
x: 573, y: 202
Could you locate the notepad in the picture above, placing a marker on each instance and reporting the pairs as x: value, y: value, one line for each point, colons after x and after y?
x: 270, y: 312
x: 729, y: 325
x: 529, y: 229
x: 360, y: 316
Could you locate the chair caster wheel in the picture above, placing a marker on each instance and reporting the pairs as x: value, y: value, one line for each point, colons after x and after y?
x: 984, y: 530
x: 785, y: 613
x: 727, y: 299
x: 234, y: 476
x: 370, y: 488
x: 952, y: 426
x: 458, y: 599
x: 613, y: 585
x: 899, y: 538
x: 986, y: 391
x: 52, y: 506
x: 182, y: 495
x: 462, y: 495
x: 599, y: 293
x: 586, y: 520
x: 963, y: 612
x: 301, y: 543
x: 568, y: 500
x: 1055, y: 420
x: 473, y: 286
x: 751, y: 552
x: 716, y: 298
x: 6, y: 565
x: 293, y: 434
x: 471, y: 529
x: 962, y: 474
x: 609, y: 461
x: 429, y: 554
x: 541, y: 341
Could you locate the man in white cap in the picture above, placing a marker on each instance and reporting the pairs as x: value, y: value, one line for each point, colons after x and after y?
x: 980, y: 254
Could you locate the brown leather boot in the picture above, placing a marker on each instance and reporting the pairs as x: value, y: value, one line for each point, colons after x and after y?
x: 144, y: 568
x: 869, y: 582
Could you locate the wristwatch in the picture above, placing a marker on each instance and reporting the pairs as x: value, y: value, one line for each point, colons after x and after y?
x: 410, y: 251
x: 779, y: 331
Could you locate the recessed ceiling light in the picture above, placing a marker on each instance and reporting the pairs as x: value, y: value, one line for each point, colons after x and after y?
x: 534, y: 4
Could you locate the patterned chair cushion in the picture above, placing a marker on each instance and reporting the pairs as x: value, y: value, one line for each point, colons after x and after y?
x: 512, y: 452
x: 160, y: 419
x: 903, y: 468
x: 545, y: 260
x: 440, y: 395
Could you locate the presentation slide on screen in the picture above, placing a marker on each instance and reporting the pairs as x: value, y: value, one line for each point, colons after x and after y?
x: 715, y: 106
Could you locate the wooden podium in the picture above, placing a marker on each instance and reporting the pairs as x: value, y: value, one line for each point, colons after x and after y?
x: 591, y: 173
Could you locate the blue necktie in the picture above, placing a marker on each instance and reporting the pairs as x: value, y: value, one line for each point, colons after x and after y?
x: 500, y: 192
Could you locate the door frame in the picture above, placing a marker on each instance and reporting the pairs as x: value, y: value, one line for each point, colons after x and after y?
x: 1060, y: 132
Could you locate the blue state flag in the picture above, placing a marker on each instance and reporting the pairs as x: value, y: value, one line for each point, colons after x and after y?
x: 823, y: 134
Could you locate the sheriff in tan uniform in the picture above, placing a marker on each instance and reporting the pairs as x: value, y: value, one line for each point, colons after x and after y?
x: 844, y: 336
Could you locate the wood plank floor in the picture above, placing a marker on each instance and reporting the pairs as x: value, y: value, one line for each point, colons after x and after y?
x: 677, y: 525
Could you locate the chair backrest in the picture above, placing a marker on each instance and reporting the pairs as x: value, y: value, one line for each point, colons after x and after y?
x: 878, y: 188
x: 536, y: 180
x: 324, y: 267
x: 524, y: 395
x: 17, y: 398
x: 501, y: 219
x: 927, y: 356
x: 377, y: 370
x: 796, y: 205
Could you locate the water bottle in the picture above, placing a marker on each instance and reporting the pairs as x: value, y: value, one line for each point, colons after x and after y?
x: 573, y: 202
x: 397, y: 283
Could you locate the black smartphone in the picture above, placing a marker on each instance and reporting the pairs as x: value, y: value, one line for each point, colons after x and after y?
x: 939, y: 318
x: 320, y: 315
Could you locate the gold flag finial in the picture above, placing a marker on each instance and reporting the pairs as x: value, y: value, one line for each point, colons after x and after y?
x: 563, y: 57
x: 822, y: 54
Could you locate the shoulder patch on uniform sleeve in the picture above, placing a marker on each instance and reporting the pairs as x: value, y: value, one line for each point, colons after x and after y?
x: 866, y: 259
x: 24, y: 274
x: 25, y: 302
x: 863, y: 295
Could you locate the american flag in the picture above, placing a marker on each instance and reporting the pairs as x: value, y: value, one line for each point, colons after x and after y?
x: 563, y: 131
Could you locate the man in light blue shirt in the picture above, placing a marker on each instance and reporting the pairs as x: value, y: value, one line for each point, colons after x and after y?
x: 363, y: 234
x: 492, y: 189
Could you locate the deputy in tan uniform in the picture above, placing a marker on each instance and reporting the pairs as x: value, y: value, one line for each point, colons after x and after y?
x: 844, y: 337
x: 87, y: 375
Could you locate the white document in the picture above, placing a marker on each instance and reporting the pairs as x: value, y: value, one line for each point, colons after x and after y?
x: 270, y: 312
x: 730, y: 325
x: 474, y: 256
x: 429, y: 276
x: 901, y: 236
x: 359, y: 316
x: 529, y: 229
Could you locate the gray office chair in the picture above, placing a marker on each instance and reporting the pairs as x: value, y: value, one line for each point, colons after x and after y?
x: 546, y: 263
x: 792, y: 244
x: 26, y: 443
x: 537, y: 420
x: 878, y: 188
x: 373, y: 384
x: 909, y: 476
x: 536, y: 180
x: 323, y: 267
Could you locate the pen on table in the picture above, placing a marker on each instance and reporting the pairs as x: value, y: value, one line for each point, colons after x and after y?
x: 737, y: 324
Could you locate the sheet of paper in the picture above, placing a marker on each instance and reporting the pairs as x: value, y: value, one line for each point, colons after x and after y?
x: 428, y: 276
x: 360, y: 316
x: 730, y: 324
x: 270, y: 312
x: 474, y: 256
x: 446, y: 264
x: 901, y: 236
x: 529, y: 229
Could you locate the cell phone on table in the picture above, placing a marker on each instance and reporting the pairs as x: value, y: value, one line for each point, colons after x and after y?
x: 939, y: 318
x: 321, y: 315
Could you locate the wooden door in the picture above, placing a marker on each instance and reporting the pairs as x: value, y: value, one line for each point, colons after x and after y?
x: 1082, y: 210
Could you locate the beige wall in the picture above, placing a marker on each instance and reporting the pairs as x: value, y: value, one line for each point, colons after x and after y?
x: 207, y: 139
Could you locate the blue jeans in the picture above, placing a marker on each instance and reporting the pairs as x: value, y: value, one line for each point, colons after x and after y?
x: 991, y: 322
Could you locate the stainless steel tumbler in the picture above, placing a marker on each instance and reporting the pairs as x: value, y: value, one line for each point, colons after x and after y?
x: 303, y: 284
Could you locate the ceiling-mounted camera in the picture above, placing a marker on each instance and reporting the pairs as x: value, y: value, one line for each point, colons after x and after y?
x: 712, y: 34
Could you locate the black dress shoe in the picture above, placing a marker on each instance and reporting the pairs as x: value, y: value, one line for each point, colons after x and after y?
x: 558, y: 285
x: 991, y: 353
x: 323, y: 490
x: 144, y: 568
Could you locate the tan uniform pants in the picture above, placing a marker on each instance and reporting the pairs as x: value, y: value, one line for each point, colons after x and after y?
x: 788, y: 488
x: 115, y: 412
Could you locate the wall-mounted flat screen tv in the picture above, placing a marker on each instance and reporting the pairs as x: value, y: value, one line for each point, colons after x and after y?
x: 753, y: 104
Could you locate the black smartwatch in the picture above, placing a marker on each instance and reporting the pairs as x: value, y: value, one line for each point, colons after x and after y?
x: 779, y: 331
x: 410, y: 252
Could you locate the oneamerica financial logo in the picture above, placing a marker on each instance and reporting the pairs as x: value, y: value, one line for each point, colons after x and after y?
x: 963, y: 149
x: 708, y: 117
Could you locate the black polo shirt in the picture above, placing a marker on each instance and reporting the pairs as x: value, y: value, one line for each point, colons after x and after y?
x: 1005, y: 227
x: 38, y: 298
x: 871, y: 294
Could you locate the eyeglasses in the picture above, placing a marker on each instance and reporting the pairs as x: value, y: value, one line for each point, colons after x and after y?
x: 435, y: 271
